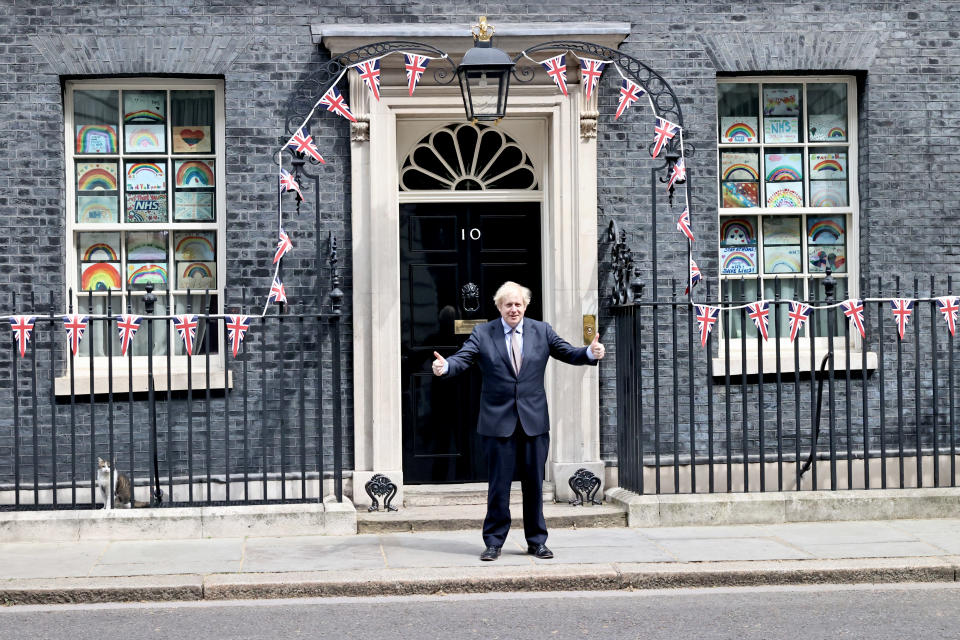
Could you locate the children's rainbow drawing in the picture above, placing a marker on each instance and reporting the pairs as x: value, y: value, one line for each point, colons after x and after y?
x: 194, y: 247
x: 145, y: 138
x: 740, y: 194
x: 146, y: 247
x: 737, y: 231
x: 825, y: 230
x: 784, y: 198
x: 197, y: 275
x: 827, y: 193
x: 783, y: 167
x: 740, y: 172
x: 194, y: 173
x: 145, y: 176
x: 143, y: 115
x: 96, y: 138
x: 197, y: 270
x: 141, y: 274
x: 828, y: 165
x: 739, y: 132
x: 100, y: 251
x: 739, y: 260
x: 827, y: 127
x: 96, y: 209
x: 100, y: 276
x: 782, y: 259
x: 836, y: 132
x: 96, y: 177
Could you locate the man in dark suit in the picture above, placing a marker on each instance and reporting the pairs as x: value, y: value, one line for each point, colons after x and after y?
x: 512, y: 354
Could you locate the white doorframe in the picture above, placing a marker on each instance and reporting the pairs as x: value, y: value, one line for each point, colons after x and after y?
x: 569, y: 249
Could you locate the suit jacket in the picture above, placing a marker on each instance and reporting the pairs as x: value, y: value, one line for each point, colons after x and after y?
x: 506, y: 397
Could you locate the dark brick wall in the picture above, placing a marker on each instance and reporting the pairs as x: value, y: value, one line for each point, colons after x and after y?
x: 908, y: 128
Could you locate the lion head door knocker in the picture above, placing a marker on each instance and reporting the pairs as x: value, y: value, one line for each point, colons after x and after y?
x: 471, y: 297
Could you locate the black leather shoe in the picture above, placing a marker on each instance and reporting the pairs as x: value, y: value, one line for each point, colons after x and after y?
x: 539, y: 551
x: 490, y: 553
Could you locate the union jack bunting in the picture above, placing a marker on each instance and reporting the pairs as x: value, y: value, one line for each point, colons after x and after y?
x: 799, y: 314
x: 22, y: 327
x: 590, y: 71
x: 415, y: 66
x: 186, y: 326
x: 277, y: 293
x: 127, y: 325
x: 902, y: 308
x: 664, y: 131
x: 302, y: 142
x: 557, y: 69
x: 75, y: 326
x: 683, y: 224
x: 853, y: 309
x: 237, y: 327
x: 949, y: 306
x: 706, y: 318
x: 694, y: 276
x: 679, y: 174
x: 283, y: 246
x: 333, y: 101
x: 370, y: 74
x: 289, y: 183
x: 759, y: 312
x: 630, y: 92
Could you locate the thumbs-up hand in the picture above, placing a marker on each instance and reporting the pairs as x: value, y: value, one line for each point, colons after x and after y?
x: 438, y: 364
x: 596, y: 348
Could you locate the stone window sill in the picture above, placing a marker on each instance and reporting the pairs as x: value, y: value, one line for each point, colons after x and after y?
x: 141, y: 380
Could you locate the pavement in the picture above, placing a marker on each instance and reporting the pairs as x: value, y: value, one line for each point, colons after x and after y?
x: 431, y: 562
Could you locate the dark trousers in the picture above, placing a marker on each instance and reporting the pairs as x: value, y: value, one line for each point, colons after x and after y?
x: 529, y: 453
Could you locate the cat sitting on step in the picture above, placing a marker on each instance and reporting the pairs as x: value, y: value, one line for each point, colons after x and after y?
x: 121, y: 490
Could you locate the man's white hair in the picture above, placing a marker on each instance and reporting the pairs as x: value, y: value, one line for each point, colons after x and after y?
x: 509, y: 287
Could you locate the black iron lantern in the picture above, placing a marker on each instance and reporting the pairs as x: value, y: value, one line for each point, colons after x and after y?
x: 484, y: 76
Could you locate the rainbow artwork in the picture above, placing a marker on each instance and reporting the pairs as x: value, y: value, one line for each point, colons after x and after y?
x: 96, y: 138
x: 782, y: 259
x: 738, y: 260
x: 781, y: 101
x: 146, y: 138
x: 825, y: 230
x: 735, y: 165
x: 194, y: 173
x: 144, y: 106
x: 825, y: 128
x: 146, y: 176
x: 738, y: 130
x: 96, y: 176
x: 95, y: 209
x: 740, y: 195
x: 195, y: 247
x: 784, y: 167
x: 828, y: 166
x: 100, y: 276
x: 196, y: 275
x: 788, y: 195
x: 828, y: 193
x: 146, y: 246
x: 139, y: 274
x: 99, y: 251
x: 738, y: 231
x: 191, y: 139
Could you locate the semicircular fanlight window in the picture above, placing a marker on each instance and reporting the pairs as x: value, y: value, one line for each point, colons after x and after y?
x: 467, y: 157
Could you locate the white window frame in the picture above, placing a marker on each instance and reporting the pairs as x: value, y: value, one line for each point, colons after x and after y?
x: 139, y: 364
x: 852, y: 211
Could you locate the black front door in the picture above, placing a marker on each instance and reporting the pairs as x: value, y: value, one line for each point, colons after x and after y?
x: 443, y: 249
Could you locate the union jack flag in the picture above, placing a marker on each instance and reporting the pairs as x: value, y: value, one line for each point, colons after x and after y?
x: 694, y: 276
x: 664, y: 131
x: 237, y: 327
x: 590, y: 71
x: 902, y: 308
x: 333, y: 101
x: 630, y: 92
x: 302, y: 142
x: 949, y: 306
x: 289, y: 183
x: 283, y: 246
x: 277, y: 292
x: 799, y: 314
x: 683, y: 224
x: 415, y: 66
x: 127, y: 325
x: 557, y: 69
x: 679, y: 174
x: 186, y: 326
x: 759, y: 312
x: 75, y: 326
x: 370, y: 74
x: 853, y: 309
x: 706, y: 318
x: 22, y: 327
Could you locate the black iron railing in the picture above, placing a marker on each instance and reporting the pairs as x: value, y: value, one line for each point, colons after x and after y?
x: 827, y: 411
x: 263, y: 426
